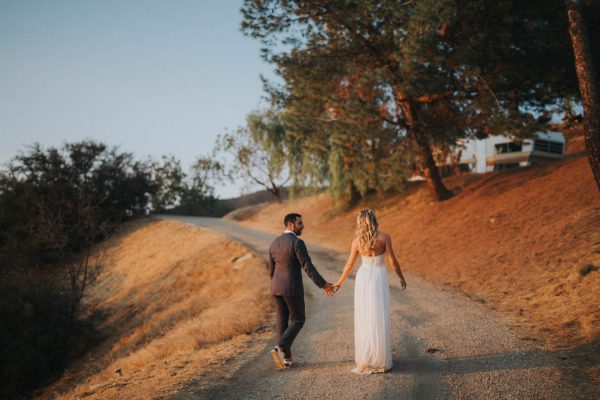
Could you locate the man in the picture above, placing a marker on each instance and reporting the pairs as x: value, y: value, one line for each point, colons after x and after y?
x: 287, y: 254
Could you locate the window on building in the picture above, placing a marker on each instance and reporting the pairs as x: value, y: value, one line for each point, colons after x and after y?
x: 464, y: 167
x: 510, y: 147
x: 502, y: 167
x: 548, y: 146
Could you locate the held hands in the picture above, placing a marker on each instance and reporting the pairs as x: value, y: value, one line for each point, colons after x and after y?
x: 330, y: 289
x: 337, y: 286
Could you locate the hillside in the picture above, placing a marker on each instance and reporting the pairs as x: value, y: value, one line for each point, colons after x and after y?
x: 161, y: 296
x: 525, y: 242
x: 251, y: 199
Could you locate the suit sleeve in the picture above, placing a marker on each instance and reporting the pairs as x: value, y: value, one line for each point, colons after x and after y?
x: 307, y: 265
x: 271, y: 265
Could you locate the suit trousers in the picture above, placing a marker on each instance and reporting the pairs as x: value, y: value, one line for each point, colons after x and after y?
x: 290, y: 319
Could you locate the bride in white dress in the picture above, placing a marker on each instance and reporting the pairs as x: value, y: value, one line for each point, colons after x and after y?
x: 372, y: 330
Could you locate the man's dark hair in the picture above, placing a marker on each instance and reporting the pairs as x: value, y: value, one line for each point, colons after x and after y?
x: 291, y: 218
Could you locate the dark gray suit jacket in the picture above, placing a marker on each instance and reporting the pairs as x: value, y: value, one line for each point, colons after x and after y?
x: 287, y: 254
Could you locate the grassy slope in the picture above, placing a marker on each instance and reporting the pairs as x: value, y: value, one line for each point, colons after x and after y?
x: 162, y: 296
x: 515, y: 240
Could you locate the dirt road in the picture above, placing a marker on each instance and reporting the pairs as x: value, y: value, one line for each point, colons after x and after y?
x: 477, y: 354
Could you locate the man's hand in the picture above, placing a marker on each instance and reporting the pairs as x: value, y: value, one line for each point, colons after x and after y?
x: 329, y: 289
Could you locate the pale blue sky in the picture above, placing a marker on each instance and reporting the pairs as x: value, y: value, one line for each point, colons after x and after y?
x: 153, y: 77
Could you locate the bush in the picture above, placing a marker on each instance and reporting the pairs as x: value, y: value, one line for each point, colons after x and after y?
x: 586, y: 269
x: 55, y: 205
x: 38, y: 333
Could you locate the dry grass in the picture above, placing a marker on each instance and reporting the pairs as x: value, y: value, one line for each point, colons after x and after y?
x: 514, y: 239
x: 175, y: 306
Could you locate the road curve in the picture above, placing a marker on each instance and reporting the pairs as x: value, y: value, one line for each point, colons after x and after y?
x: 478, y: 356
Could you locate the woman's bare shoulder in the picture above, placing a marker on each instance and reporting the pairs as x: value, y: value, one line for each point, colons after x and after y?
x: 383, y: 236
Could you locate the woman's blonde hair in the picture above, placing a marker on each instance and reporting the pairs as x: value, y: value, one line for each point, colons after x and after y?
x: 366, y: 228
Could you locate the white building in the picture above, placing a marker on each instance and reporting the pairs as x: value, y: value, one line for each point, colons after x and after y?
x: 501, y: 152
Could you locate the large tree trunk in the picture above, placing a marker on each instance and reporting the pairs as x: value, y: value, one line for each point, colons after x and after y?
x: 375, y: 167
x: 587, y: 84
x: 352, y: 195
x: 430, y: 170
x: 275, y: 192
x: 425, y: 161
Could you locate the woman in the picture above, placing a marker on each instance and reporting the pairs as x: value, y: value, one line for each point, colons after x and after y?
x: 372, y: 335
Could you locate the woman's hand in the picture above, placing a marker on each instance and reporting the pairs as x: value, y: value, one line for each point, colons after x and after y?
x: 402, y: 282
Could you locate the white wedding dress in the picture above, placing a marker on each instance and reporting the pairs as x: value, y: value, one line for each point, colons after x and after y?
x: 372, y: 334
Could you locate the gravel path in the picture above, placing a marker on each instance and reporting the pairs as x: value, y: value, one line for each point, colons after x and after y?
x: 479, y: 357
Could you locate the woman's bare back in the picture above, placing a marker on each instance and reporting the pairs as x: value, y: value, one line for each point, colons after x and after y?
x: 379, y: 249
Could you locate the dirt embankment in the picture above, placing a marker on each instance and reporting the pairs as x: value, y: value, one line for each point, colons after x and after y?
x: 526, y: 242
x: 163, y: 294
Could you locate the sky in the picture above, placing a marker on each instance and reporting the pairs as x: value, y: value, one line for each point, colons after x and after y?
x: 152, y: 77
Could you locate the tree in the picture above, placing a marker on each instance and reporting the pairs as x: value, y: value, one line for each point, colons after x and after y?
x: 168, y: 178
x: 439, y: 69
x: 588, y: 84
x: 55, y: 205
x: 349, y: 147
x: 259, y: 152
x: 205, y: 171
x: 198, y: 192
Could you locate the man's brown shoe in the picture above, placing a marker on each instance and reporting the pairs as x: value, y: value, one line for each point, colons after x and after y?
x: 278, y: 357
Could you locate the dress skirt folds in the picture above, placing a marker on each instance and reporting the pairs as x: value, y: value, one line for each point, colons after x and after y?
x: 372, y: 329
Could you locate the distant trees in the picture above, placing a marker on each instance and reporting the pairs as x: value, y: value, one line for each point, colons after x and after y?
x: 197, y: 193
x: 260, y: 152
x: 168, y: 180
x: 175, y: 191
x: 408, y: 76
x: 588, y: 82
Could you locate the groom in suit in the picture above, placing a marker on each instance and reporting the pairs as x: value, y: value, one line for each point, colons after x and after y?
x: 287, y: 255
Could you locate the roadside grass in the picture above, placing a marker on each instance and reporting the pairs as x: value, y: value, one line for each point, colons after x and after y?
x: 175, y: 304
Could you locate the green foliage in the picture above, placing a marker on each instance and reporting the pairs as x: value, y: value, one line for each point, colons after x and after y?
x: 204, y: 171
x: 55, y: 204
x: 262, y: 152
x: 59, y: 200
x: 197, y: 194
x: 364, y: 81
x: 168, y: 179
x: 39, y: 336
x: 175, y: 192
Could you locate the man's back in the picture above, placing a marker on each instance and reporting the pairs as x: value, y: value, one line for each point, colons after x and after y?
x: 287, y: 254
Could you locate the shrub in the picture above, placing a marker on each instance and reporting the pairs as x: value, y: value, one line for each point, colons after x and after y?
x: 56, y: 204
x: 586, y: 269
